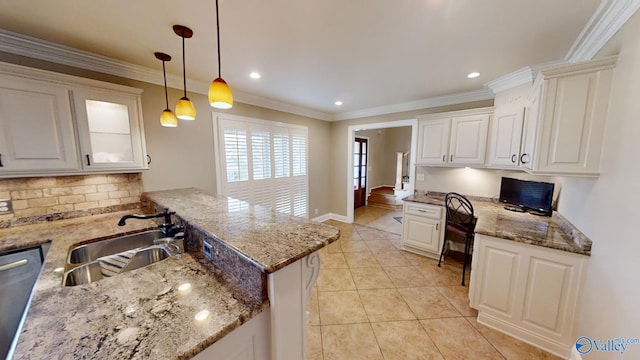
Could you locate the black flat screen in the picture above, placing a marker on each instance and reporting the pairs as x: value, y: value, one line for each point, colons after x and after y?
x: 527, y: 195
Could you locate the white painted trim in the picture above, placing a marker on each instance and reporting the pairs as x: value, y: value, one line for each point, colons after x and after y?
x: 458, y: 98
x: 351, y: 134
x: 24, y: 45
x: 605, y: 22
x: 458, y: 113
x: 217, y: 152
x: 331, y: 216
x: 516, y: 78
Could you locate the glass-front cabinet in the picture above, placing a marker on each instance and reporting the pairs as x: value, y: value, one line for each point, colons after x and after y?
x: 109, y: 129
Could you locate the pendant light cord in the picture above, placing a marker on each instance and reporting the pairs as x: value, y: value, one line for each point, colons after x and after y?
x: 166, y: 96
x: 218, y: 32
x: 184, y: 69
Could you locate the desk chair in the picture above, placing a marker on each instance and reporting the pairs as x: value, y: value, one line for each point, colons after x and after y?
x: 461, y: 225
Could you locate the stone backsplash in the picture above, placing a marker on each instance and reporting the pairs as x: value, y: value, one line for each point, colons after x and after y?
x: 52, y: 198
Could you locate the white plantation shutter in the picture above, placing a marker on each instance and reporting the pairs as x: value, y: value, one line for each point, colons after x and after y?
x: 265, y: 163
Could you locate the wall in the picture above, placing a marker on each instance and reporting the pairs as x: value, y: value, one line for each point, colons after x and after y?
x: 338, y: 149
x: 470, y: 181
x: 184, y: 156
x: 51, y: 198
x: 398, y: 140
x: 606, y: 210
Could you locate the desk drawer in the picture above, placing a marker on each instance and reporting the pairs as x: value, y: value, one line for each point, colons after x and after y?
x: 430, y: 211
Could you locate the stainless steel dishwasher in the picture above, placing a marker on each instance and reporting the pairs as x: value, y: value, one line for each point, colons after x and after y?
x: 19, y: 271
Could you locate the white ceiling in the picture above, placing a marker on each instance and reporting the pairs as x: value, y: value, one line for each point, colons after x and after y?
x: 367, y: 53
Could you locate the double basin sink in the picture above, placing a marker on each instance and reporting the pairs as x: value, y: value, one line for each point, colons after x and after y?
x: 97, y: 260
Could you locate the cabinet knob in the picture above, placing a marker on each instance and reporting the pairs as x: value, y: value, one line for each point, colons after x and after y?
x: 1, y: 161
x: 513, y: 158
x: 88, y: 160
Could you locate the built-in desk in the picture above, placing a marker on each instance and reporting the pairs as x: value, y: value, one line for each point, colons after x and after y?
x: 526, y: 272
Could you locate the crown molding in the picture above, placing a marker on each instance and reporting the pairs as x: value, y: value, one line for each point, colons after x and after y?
x: 28, y: 46
x: 458, y: 98
x: 605, y: 22
x: 511, y: 80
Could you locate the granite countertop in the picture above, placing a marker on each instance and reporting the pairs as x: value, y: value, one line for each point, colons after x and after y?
x: 142, y: 314
x: 553, y: 232
x: 270, y: 239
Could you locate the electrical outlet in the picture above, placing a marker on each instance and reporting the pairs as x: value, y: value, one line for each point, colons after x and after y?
x: 207, y: 249
x: 5, y: 206
x: 420, y: 177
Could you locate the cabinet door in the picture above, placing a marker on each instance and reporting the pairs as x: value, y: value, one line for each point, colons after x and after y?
x: 468, y: 139
x: 421, y: 233
x: 505, y: 137
x: 433, y: 141
x: 110, y: 129
x: 573, y: 127
x: 36, y: 126
x: 496, y: 279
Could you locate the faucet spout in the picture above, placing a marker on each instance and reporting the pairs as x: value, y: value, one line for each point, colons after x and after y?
x: 166, y: 214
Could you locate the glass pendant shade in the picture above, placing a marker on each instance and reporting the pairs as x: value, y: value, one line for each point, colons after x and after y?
x: 220, y: 96
x: 185, y: 109
x: 168, y: 119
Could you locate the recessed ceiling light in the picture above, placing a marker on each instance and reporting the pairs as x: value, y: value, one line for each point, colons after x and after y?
x: 473, y: 75
x: 338, y: 103
x: 254, y: 75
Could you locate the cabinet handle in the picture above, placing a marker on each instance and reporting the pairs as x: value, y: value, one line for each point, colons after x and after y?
x: 451, y: 158
x: 437, y: 225
x: 444, y: 158
x: 13, y: 265
x: 424, y: 211
x: 513, y: 158
x: 88, y: 160
x: 1, y: 161
x: 522, y: 158
x: 148, y: 159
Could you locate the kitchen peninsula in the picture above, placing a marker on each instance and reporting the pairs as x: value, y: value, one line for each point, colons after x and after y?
x: 264, y: 264
x: 527, y: 270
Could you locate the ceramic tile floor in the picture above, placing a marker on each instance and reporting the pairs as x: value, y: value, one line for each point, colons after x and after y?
x: 373, y: 301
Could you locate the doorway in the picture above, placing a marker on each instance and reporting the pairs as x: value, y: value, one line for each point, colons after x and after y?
x: 351, y: 143
x: 360, y: 165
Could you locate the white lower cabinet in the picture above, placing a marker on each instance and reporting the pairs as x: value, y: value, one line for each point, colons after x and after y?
x: 527, y: 291
x: 422, y: 230
x: 248, y: 342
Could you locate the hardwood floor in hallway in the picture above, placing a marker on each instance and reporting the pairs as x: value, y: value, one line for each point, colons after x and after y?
x: 374, y: 301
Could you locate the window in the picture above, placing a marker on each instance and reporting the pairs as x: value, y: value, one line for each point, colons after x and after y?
x: 265, y: 163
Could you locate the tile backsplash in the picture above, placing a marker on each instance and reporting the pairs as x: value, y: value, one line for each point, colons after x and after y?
x: 52, y: 198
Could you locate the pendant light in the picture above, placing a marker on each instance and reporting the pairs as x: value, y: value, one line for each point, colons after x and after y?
x: 167, y: 118
x: 219, y: 93
x: 184, y: 109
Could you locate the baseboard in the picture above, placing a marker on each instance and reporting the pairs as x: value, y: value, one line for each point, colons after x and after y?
x: 331, y: 216
x: 575, y: 355
x: 549, y: 345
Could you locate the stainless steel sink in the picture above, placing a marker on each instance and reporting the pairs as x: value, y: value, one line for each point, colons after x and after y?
x: 94, y: 271
x: 93, y: 251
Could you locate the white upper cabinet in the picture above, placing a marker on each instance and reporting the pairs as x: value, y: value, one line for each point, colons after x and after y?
x: 55, y: 124
x: 506, y: 136
x: 433, y: 141
x: 36, y: 126
x: 453, y: 139
x: 567, y: 117
x: 109, y: 129
x: 468, y: 139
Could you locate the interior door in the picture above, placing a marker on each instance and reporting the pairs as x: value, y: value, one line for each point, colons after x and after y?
x: 360, y: 151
